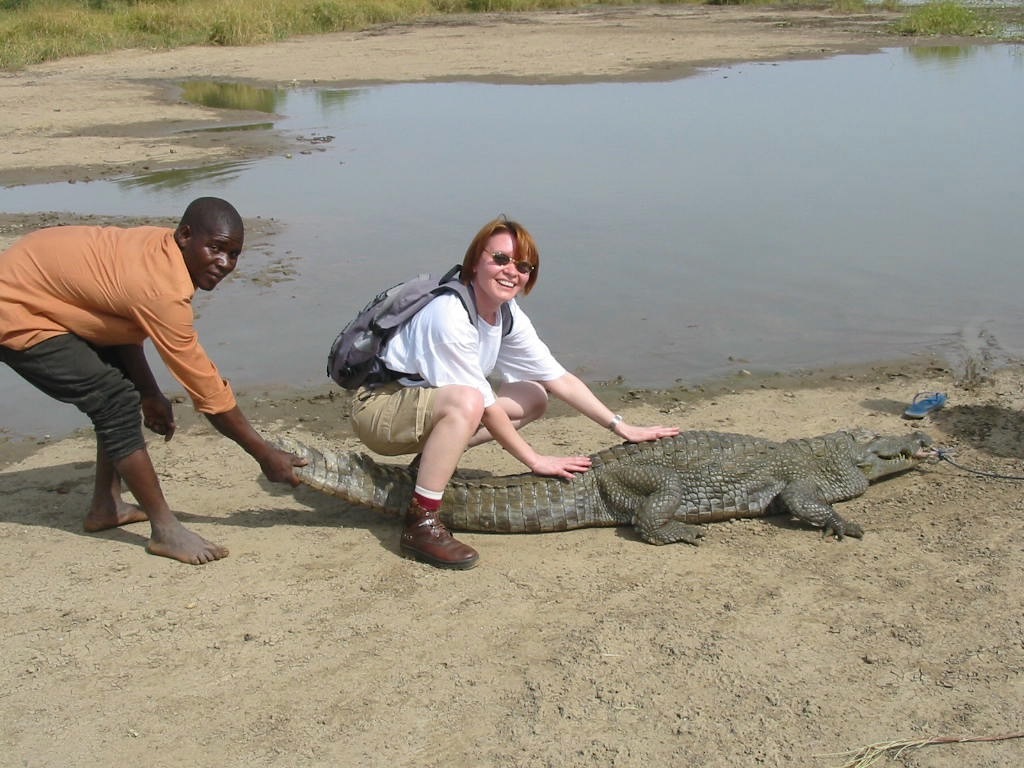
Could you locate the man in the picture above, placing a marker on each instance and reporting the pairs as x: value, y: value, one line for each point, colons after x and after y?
x: 76, y: 305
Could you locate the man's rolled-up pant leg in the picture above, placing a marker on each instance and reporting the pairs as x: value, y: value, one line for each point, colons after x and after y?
x: 69, y: 369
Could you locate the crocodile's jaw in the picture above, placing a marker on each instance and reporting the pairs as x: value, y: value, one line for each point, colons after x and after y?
x: 884, y: 456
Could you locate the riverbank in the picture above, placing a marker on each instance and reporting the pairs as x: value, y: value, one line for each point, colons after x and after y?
x: 80, y: 119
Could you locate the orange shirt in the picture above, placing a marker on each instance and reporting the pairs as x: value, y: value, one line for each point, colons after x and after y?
x: 110, y: 286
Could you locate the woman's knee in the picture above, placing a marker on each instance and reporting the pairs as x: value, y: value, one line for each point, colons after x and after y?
x: 537, y: 406
x: 465, y: 404
x: 524, y: 401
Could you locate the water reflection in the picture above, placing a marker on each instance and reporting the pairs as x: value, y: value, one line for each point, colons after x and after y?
x: 760, y: 216
x: 232, y: 96
x: 951, y: 54
x: 233, y: 128
x: 220, y: 95
x: 333, y: 102
x: 212, y: 176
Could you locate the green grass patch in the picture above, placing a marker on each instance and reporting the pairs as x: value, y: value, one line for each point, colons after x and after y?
x: 32, y: 31
x: 944, y: 18
x: 864, y: 6
x: 849, y: 6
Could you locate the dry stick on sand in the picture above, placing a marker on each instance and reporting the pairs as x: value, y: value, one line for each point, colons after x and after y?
x: 869, y: 755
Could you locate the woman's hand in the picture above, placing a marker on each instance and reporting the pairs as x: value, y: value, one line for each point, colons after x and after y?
x: 633, y: 434
x: 561, y: 466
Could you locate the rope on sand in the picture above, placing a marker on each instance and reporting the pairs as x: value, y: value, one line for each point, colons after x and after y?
x: 872, y: 753
x: 942, y: 454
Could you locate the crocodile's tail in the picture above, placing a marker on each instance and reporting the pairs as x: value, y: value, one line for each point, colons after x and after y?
x: 523, y: 503
x: 354, y: 477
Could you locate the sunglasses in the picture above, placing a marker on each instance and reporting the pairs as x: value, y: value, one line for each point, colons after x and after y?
x: 502, y: 259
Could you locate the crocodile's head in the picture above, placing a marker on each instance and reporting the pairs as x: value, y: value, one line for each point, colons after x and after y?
x: 879, y: 456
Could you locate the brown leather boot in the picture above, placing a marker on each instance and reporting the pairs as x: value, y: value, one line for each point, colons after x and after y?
x: 426, y: 539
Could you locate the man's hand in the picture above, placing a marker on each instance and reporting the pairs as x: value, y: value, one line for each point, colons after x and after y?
x: 157, y: 415
x: 279, y: 467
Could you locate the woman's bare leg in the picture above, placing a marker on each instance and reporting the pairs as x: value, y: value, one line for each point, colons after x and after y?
x: 523, y: 401
x: 457, y: 412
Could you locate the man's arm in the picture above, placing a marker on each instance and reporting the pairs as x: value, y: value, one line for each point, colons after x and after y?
x: 277, y: 465
x: 133, y: 359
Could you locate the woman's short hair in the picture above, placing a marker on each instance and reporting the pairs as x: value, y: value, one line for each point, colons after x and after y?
x: 524, y: 249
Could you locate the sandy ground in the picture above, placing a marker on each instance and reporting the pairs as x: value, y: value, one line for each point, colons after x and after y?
x: 315, y: 644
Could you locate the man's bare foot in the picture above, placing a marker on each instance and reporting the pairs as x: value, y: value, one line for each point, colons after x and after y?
x: 179, y: 543
x: 123, y: 513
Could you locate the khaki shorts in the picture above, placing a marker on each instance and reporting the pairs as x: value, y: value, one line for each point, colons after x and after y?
x: 391, y: 419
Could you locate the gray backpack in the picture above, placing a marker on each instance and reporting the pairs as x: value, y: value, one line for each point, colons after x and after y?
x: 354, y: 360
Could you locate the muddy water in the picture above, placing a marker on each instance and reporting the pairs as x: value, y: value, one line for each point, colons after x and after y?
x: 767, y: 217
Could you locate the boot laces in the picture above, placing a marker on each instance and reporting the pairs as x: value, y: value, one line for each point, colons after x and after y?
x: 436, y: 528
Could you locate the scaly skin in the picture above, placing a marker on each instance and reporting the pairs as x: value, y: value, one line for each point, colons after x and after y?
x: 665, y: 489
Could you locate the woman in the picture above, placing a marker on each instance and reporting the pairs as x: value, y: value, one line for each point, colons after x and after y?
x: 444, y: 403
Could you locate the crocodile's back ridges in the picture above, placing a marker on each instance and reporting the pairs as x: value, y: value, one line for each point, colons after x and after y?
x: 525, y: 504
x: 717, y: 475
x: 687, y: 449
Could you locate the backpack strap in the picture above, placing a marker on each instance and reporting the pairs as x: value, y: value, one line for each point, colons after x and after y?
x: 452, y: 281
x: 506, y: 319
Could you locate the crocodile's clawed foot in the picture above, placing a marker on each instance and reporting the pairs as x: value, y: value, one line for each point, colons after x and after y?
x: 841, y: 528
x: 673, y: 532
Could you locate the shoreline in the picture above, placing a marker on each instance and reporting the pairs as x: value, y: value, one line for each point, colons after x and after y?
x: 327, y: 405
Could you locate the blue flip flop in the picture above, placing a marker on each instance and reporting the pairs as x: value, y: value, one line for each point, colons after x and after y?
x: 924, y: 403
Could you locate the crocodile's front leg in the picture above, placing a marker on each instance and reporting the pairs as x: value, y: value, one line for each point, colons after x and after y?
x: 804, y: 500
x: 649, y: 497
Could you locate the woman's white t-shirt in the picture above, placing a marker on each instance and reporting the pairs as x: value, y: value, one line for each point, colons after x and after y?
x: 441, y: 346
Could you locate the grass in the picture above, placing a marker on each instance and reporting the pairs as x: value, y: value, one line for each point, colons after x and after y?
x: 34, y: 31
x: 944, y: 18
x: 863, y: 6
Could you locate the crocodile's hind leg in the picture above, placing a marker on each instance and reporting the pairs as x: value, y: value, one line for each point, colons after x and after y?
x: 804, y: 500
x: 650, y: 498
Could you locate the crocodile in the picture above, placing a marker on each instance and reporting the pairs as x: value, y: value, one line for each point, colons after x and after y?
x: 666, y: 489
